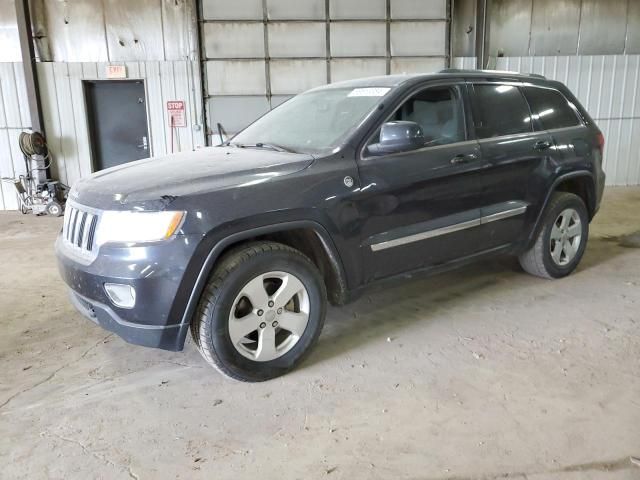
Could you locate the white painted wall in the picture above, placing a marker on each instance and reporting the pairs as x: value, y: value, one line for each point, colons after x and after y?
x: 14, y: 118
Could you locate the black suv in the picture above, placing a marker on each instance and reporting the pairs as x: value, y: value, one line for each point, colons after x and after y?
x: 335, y: 190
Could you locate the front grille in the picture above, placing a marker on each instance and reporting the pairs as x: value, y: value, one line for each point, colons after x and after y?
x: 79, y: 229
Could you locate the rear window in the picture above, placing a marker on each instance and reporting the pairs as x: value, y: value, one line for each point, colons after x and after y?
x: 550, y: 108
x: 500, y: 110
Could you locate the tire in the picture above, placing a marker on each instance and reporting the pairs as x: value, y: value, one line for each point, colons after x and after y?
x: 54, y: 209
x: 223, y: 306
x: 543, y: 259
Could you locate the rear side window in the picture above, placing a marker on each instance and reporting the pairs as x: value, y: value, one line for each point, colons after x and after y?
x: 550, y: 108
x: 500, y: 110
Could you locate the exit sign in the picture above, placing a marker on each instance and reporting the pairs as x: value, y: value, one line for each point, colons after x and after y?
x: 116, y: 71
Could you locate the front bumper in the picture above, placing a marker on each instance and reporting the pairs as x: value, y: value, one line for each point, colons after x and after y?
x: 156, y: 272
x: 166, y: 337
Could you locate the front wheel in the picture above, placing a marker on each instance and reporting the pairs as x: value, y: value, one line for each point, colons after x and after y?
x: 261, y: 312
x: 562, y: 239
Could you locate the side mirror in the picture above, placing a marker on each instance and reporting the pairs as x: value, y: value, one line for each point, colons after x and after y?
x: 400, y: 136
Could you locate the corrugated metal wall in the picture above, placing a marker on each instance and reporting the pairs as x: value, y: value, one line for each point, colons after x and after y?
x: 258, y: 53
x: 65, y: 113
x: 14, y: 118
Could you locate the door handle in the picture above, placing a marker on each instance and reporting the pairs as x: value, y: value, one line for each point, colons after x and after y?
x: 542, y: 145
x: 145, y: 144
x: 459, y: 159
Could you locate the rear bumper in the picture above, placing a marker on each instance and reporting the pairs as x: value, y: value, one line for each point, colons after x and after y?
x: 156, y: 273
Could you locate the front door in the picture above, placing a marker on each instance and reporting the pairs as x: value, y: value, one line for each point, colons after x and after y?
x: 422, y: 207
x: 117, y: 116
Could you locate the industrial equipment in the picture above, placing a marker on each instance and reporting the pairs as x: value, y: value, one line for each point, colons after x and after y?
x: 38, y: 193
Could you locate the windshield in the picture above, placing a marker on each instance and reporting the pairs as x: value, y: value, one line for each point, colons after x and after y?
x: 313, y: 122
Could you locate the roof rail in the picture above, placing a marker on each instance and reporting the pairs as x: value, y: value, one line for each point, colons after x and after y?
x: 499, y: 72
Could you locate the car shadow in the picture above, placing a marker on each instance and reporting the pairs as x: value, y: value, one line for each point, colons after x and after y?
x: 387, y: 312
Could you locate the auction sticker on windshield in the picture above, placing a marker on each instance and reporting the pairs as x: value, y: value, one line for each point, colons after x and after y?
x: 369, y: 92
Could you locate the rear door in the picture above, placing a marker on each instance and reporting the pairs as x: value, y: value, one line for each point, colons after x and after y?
x: 557, y: 116
x: 517, y: 158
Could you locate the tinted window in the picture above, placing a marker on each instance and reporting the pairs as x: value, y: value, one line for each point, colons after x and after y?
x: 438, y: 111
x: 551, y: 108
x: 500, y: 110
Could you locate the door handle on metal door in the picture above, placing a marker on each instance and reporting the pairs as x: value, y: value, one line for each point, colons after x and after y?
x: 145, y: 144
x: 458, y: 159
x: 542, y: 145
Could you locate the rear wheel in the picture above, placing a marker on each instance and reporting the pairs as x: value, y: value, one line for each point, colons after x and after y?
x: 261, y: 312
x: 562, y: 239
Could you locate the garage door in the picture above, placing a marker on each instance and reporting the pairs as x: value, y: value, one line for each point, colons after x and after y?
x: 259, y: 53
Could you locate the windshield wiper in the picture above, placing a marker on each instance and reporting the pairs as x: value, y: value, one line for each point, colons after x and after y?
x: 270, y: 146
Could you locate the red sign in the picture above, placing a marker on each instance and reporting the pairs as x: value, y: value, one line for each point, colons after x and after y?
x: 116, y: 71
x: 176, y: 111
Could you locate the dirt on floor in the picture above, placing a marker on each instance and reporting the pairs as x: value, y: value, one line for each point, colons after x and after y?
x: 485, y: 372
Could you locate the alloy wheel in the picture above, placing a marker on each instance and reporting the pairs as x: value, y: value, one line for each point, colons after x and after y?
x: 269, y: 316
x: 566, y: 236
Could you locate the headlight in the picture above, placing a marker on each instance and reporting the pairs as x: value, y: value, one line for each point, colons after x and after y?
x: 135, y: 227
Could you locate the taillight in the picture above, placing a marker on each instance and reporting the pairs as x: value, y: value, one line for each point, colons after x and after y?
x: 600, y: 139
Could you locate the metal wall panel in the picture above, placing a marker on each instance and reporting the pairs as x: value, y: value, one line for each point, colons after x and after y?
x: 233, y: 40
x: 134, y: 30
x: 179, y: 29
x: 358, y: 9
x: 348, y: 68
x: 509, y: 27
x: 294, y: 76
x: 600, y: 26
x: 633, y: 27
x: 417, y: 65
x: 232, y: 9
x: 235, y: 113
x: 117, y: 30
x: 418, y: 38
x: 554, y: 27
x: 293, y: 39
x: 296, y: 9
x: 9, y: 41
x: 463, y: 23
x: 560, y: 27
x: 236, y: 77
x: 411, y: 9
x: 66, y: 119
x: 365, y: 37
x: 607, y: 86
x: 76, y: 31
x: 358, y: 39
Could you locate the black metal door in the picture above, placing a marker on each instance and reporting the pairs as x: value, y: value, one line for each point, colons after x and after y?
x: 117, y: 117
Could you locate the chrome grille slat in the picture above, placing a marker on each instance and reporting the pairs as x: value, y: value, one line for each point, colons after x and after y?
x: 80, y: 238
x: 79, y: 228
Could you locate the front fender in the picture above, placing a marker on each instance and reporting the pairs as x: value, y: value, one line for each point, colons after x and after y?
x: 219, y: 239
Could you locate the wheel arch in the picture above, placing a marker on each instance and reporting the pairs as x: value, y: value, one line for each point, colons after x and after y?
x: 580, y: 183
x: 308, y: 236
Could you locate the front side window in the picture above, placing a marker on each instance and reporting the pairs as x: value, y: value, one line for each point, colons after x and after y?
x: 550, y: 108
x: 500, y: 110
x: 438, y: 112
x: 314, y: 122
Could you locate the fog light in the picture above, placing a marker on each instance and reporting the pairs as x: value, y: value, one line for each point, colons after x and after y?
x: 123, y: 296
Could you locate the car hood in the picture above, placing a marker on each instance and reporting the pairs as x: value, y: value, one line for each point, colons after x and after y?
x: 152, y: 183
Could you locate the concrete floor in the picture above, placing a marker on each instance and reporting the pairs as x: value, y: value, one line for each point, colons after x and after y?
x: 481, y: 373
